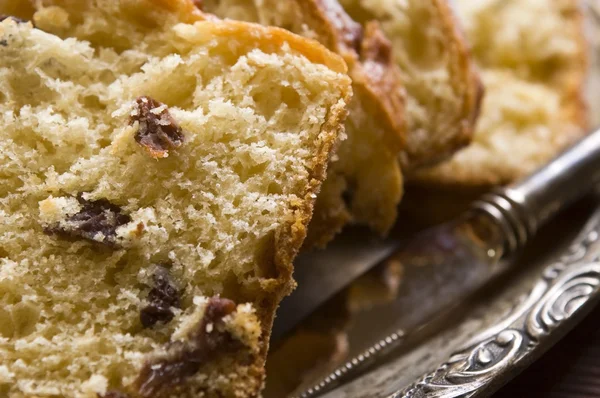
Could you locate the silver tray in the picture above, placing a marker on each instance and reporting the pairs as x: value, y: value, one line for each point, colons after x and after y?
x: 486, y: 342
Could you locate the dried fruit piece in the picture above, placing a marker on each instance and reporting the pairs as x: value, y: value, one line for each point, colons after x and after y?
x: 184, y: 359
x: 162, y: 297
x: 158, y: 132
x: 97, y: 221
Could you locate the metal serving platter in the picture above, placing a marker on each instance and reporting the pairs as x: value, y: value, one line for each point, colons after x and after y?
x: 484, y: 343
x: 495, y: 335
x: 481, y: 344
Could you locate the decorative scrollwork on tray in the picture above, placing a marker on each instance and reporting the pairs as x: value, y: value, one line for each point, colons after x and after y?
x: 567, y: 294
x: 564, y: 288
x: 469, y: 370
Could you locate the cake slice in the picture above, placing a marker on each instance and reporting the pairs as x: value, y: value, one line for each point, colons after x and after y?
x: 533, y: 55
x: 442, y: 84
x: 156, y: 184
x: 364, y: 184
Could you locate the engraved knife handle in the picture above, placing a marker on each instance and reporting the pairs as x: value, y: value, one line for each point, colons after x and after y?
x: 521, y: 208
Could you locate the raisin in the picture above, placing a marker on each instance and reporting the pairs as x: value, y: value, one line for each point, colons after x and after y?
x: 347, y: 197
x: 184, y: 359
x: 98, y: 217
x: 113, y: 394
x: 152, y: 314
x: 162, y: 297
x: 158, y: 132
x: 198, y: 4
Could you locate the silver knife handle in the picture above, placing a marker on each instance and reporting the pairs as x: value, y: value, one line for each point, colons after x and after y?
x: 522, y: 207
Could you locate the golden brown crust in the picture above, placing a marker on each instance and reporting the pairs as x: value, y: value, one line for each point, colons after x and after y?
x: 271, y: 39
x: 20, y: 9
x: 330, y: 215
x: 290, y: 237
x: 369, y: 56
x: 574, y: 121
x: 377, y: 85
x: 465, y: 75
x: 343, y: 34
x: 380, y: 81
x: 289, y: 241
x: 186, y: 10
x: 287, y: 245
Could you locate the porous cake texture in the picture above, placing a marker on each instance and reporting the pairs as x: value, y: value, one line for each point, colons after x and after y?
x: 443, y: 85
x: 364, y: 183
x: 158, y: 169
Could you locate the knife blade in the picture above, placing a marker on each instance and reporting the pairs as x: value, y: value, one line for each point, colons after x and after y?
x: 497, y: 227
x: 441, y: 267
x: 321, y: 274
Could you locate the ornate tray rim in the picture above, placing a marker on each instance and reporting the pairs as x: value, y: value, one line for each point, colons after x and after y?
x: 560, y: 298
x: 567, y: 291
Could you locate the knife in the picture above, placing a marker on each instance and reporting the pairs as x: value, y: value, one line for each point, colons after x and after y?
x: 322, y: 274
x: 447, y: 263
